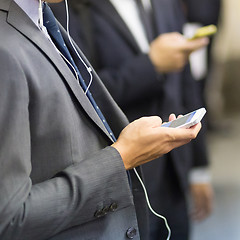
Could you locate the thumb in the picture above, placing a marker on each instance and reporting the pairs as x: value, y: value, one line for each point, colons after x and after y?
x: 193, y: 45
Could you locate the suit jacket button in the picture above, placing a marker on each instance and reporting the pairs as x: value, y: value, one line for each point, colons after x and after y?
x: 98, y: 214
x: 131, y: 232
x: 113, y: 207
x: 105, y: 210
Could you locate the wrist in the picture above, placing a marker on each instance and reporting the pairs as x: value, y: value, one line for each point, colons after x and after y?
x: 123, y: 153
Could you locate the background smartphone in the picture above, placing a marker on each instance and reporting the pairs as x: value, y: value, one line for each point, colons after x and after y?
x: 187, y: 120
x: 204, y: 32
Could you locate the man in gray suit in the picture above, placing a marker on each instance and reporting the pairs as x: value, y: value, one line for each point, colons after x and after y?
x: 62, y: 177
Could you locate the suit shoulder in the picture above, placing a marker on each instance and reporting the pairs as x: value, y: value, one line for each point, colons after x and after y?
x: 8, y: 36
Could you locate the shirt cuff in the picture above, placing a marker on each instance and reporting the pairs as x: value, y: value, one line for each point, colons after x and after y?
x: 200, y: 175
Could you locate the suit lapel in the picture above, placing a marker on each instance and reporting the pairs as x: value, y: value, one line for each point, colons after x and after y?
x: 164, y: 16
x: 159, y: 15
x: 19, y: 20
x: 110, y: 13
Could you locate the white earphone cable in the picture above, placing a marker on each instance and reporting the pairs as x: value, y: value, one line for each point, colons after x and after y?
x: 149, y: 205
x: 69, y: 65
x: 74, y: 48
x: 40, y: 13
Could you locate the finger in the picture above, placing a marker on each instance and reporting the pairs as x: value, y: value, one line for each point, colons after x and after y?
x: 179, y: 134
x: 199, y: 206
x: 179, y: 116
x: 198, y: 215
x: 201, y: 212
x: 193, y: 45
x: 172, y: 117
x: 153, y: 121
x: 209, y: 202
x: 196, y: 128
x: 203, y: 203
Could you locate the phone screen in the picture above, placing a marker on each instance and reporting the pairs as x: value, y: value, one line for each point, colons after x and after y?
x: 180, y: 121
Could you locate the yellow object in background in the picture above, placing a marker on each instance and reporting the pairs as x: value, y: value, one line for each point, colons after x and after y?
x: 204, y: 31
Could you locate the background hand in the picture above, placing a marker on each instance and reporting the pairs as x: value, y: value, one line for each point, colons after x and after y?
x: 202, y: 196
x: 169, y: 52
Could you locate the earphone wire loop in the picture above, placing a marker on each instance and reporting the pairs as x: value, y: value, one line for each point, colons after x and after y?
x: 89, y: 70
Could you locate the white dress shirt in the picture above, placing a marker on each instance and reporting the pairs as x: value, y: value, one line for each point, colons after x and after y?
x: 30, y: 7
x: 133, y: 21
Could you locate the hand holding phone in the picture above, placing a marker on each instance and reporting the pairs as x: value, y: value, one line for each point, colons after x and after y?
x: 204, y: 32
x: 187, y: 120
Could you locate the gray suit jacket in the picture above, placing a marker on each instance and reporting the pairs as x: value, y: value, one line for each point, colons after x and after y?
x: 59, y: 177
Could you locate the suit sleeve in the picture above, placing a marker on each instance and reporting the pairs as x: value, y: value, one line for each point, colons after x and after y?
x: 39, y: 211
x: 193, y: 100
x: 134, y: 80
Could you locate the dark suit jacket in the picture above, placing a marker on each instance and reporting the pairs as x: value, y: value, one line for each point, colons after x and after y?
x: 59, y: 177
x: 129, y: 75
x: 204, y: 11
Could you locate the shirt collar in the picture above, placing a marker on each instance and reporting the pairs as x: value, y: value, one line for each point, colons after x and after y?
x: 30, y: 7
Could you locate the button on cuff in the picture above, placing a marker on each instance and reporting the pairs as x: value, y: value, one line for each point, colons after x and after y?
x: 98, y: 214
x: 131, y: 233
x: 113, y: 207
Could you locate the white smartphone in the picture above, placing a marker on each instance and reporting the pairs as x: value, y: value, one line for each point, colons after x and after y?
x: 187, y: 120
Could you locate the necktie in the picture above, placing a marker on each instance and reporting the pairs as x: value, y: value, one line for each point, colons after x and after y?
x: 56, y: 36
x: 147, y: 20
